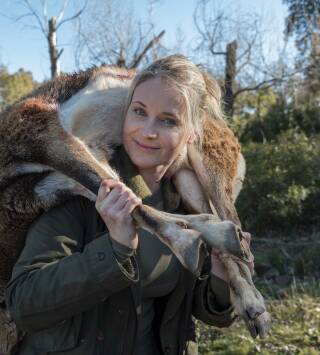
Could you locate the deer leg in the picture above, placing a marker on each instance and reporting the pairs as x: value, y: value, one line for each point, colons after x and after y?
x: 214, y: 184
x: 184, y: 234
x: 229, y: 239
x: 73, y: 158
x: 189, y: 188
x: 56, y: 185
x: 246, y: 299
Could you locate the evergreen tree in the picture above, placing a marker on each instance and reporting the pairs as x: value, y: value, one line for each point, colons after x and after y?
x: 13, y: 86
x: 303, y: 22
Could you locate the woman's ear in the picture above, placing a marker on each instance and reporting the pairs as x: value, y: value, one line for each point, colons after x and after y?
x: 191, y: 138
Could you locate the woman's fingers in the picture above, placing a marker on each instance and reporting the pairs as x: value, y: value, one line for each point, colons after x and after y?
x: 115, y: 202
x: 106, y: 186
x: 102, y: 192
x: 122, y: 200
x: 115, y: 199
x: 131, y: 205
x: 122, y: 208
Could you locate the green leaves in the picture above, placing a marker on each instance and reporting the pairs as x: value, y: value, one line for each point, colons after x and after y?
x: 13, y: 86
x: 282, y: 182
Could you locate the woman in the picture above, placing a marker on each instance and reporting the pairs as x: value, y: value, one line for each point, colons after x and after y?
x: 87, y: 282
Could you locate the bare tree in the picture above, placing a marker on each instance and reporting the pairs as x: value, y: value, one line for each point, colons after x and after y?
x: 234, y: 45
x: 110, y: 33
x: 48, y: 26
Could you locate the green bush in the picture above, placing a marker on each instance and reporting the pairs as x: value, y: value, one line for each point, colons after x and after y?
x: 280, y: 118
x: 282, y: 186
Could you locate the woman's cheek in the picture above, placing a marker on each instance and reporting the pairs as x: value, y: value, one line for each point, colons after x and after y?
x: 131, y: 125
x: 173, y: 139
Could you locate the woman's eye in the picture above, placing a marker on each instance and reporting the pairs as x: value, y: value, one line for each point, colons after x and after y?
x: 139, y: 111
x: 169, y: 121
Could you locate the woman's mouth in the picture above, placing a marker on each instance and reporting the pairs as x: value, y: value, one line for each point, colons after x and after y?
x: 145, y: 147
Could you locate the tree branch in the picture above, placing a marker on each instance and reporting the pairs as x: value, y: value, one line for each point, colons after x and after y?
x: 36, y: 16
x: 217, y: 53
x: 76, y: 15
x: 265, y: 84
x: 60, y: 52
x: 63, y: 8
x: 44, y: 9
x: 153, y: 42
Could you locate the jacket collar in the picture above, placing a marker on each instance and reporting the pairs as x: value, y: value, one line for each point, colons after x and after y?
x: 131, y: 177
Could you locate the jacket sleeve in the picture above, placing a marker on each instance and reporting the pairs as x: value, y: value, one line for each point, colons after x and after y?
x: 211, y: 301
x: 56, y: 277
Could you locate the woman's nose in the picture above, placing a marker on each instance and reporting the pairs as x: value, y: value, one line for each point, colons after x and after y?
x: 149, y: 130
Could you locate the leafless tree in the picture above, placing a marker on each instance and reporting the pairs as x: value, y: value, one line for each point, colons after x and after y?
x: 48, y: 25
x: 111, y: 33
x: 233, y: 44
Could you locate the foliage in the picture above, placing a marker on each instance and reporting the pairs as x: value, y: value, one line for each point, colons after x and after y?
x: 282, y: 183
x: 260, y: 116
x: 283, y: 259
x: 13, y: 86
x: 303, y: 22
x: 295, y: 328
x: 251, y: 113
x: 280, y: 117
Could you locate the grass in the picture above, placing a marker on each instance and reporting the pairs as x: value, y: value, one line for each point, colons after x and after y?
x: 293, y: 300
x: 295, y: 327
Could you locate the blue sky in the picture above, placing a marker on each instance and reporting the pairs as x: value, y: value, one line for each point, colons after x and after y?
x: 22, y: 47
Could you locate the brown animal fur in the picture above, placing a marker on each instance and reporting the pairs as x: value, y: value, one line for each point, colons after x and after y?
x: 56, y: 144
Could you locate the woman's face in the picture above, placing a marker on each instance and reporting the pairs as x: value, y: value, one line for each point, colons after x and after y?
x: 155, y: 128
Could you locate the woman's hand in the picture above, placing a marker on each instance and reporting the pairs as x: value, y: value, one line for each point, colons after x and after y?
x: 217, y: 267
x: 115, y: 202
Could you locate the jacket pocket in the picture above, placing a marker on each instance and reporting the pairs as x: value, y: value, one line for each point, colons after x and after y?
x: 61, y: 337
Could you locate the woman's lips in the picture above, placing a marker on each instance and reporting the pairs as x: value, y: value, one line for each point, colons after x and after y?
x: 145, y: 147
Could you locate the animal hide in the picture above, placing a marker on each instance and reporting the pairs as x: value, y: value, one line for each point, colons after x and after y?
x: 56, y: 144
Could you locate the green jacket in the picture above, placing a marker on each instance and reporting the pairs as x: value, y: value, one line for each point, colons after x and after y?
x: 71, y: 296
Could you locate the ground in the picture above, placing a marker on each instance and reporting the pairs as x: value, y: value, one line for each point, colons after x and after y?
x: 289, y: 281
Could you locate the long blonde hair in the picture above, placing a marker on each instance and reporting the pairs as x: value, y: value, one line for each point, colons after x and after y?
x: 195, y: 86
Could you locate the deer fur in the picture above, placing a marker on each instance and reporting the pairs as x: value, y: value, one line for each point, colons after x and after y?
x: 56, y: 143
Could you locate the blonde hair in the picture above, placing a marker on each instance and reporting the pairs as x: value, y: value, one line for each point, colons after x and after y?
x: 199, y: 91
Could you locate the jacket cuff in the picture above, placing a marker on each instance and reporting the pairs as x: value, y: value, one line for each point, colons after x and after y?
x: 205, y: 308
x: 121, y: 251
x: 103, y: 262
x: 218, y: 295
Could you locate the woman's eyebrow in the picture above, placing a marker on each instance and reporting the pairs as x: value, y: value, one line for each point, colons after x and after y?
x: 169, y: 114
x: 139, y: 102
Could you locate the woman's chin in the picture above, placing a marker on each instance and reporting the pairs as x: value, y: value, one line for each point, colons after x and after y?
x: 143, y: 159
x: 142, y: 163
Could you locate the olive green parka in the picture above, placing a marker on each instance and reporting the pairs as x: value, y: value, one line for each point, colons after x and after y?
x: 71, y: 296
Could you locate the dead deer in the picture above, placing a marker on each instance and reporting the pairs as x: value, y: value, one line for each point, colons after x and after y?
x: 56, y: 143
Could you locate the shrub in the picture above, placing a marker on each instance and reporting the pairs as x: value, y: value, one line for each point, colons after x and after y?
x: 279, y: 118
x: 282, y: 186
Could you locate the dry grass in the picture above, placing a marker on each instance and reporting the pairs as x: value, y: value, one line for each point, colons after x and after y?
x: 294, y: 306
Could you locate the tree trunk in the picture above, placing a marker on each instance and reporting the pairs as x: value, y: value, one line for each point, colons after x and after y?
x: 231, y: 59
x: 53, y: 50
